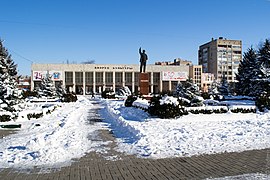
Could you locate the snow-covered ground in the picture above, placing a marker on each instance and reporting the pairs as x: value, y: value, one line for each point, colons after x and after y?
x: 56, y: 138
x: 52, y: 140
x: 188, y: 135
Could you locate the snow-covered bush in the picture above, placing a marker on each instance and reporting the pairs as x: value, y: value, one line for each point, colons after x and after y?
x: 141, y: 103
x: 29, y: 94
x: 34, y: 115
x: 243, y: 110
x: 263, y: 102
x: 5, y: 118
x: 129, y: 101
x: 108, y: 94
x: 165, y: 107
x: 190, y: 91
x: 124, y: 91
x: 70, y: 97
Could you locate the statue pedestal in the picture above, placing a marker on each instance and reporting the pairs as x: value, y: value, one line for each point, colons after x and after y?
x: 144, y: 83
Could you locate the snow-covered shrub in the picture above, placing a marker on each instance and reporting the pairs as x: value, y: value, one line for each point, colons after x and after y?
x: 184, y: 102
x: 207, y: 109
x: 129, y: 101
x: 141, y: 103
x: 34, y: 115
x: 263, y: 102
x: 124, y: 91
x: 243, y: 110
x: 70, y: 97
x: 190, y: 91
x: 5, y: 118
x: 108, y: 94
x: 28, y: 94
x: 197, y: 101
x: 219, y: 111
x: 165, y: 107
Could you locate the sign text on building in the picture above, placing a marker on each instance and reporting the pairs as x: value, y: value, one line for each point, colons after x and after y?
x: 174, y: 76
x: 55, y: 75
x: 114, y: 67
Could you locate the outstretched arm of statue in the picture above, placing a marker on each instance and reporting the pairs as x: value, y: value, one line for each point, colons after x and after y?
x: 140, y: 50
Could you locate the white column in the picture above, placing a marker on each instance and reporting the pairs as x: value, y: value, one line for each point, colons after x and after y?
x: 64, y: 79
x: 74, y: 89
x: 32, y: 82
x: 152, y: 82
x: 160, y: 82
x: 84, y: 88
x: 104, y: 83
x: 133, y: 82
x: 123, y: 79
x: 94, y: 81
x: 114, y: 81
x: 170, y: 85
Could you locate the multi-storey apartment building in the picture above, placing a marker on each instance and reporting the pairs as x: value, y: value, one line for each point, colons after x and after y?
x: 221, y: 57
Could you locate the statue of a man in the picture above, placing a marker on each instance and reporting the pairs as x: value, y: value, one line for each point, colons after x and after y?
x: 143, y: 60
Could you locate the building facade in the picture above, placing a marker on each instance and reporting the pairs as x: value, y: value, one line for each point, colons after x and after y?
x: 195, y: 73
x: 221, y: 57
x: 207, y: 81
x: 88, y: 78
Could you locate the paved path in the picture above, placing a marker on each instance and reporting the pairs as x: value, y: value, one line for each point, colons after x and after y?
x: 114, y: 165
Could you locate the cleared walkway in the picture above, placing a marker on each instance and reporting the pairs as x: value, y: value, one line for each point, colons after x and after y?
x: 110, y: 164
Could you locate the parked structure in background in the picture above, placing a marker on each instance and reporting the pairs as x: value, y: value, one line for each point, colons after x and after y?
x: 221, y: 57
x: 24, y: 82
x: 176, y: 62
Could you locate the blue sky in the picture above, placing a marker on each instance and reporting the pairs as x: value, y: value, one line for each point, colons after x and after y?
x: 111, y: 31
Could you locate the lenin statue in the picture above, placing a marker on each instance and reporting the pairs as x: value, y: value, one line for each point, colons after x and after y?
x: 143, y: 60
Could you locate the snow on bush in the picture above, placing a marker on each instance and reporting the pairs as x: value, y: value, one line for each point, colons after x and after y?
x: 141, y: 103
x: 169, y: 100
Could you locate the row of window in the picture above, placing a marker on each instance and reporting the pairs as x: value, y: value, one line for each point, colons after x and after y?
x: 89, y: 77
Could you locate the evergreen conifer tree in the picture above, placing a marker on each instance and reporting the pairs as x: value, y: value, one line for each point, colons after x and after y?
x: 213, y: 90
x: 60, y: 91
x: 248, y: 73
x: 190, y: 91
x: 264, y: 54
x: 9, y: 94
x: 224, y: 87
x: 47, y: 88
x: 180, y: 91
x: 262, y: 85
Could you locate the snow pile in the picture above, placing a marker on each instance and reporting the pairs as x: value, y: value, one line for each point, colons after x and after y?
x: 169, y: 100
x: 141, y: 103
x: 51, y: 141
x: 116, y: 114
x: 188, y: 135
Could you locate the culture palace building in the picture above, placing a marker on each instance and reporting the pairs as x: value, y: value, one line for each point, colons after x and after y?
x: 217, y: 59
x: 94, y: 78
